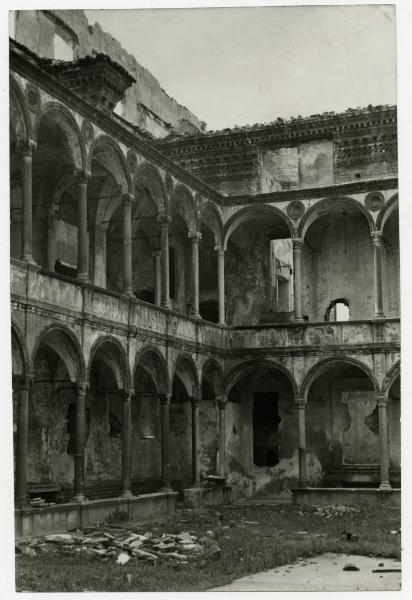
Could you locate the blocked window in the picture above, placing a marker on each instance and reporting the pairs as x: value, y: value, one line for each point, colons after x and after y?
x: 266, y: 421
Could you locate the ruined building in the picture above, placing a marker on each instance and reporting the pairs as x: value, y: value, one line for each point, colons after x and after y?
x: 188, y: 304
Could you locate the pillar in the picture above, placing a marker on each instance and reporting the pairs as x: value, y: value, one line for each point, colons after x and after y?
x: 27, y: 202
x: 79, y: 442
x: 221, y: 283
x: 82, y: 237
x: 126, y: 445
x: 165, y: 409
x: 195, y: 441
x: 301, y: 410
x: 164, y: 246
x: 383, y: 443
x: 194, y: 238
x: 21, y: 446
x: 222, y: 437
x: 377, y: 273
x: 297, y: 278
x: 51, y: 238
x: 127, y: 244
x: 157, y: 277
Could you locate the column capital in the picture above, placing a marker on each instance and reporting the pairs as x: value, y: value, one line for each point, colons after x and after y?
x: 300, y: 402
x: 26, y: 382
x: 127, y: 198
x: 164, y: 219
x: 222, y: 403
x: 297, y: 243
x: 82, y: 175
x: 81, y: 389
x: 195, y: 236
x: 127, y: 395
x: 220, y: 250
x: 381, y: 401
x: 195, y: 400
x: 165, y: 399
x: 156, y: 254
x: 26, y: 147
x: 376, y: 238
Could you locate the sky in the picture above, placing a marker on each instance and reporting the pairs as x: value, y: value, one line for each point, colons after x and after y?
x: 238, y: 66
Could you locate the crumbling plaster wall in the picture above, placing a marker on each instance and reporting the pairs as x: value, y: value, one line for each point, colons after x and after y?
x: 342, y: 268
x: 146, y: 105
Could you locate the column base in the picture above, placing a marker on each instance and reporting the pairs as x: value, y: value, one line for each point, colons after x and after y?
x: 127, y: 494
x: 128, y: 292
x: 82, y: 278
x: 379, y: 316
x: 165, y: 489
x: 29, y: 259
x: 195, y: 315
x: 298, y: 319
x: 166, y: 305
x: 79, y: 498
x: 304, y: 483
x: 385, y: 485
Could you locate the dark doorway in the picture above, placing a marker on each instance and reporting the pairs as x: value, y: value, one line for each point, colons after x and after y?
x: 266, y: 421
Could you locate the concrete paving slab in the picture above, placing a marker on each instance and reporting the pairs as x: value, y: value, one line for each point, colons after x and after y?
x: 323, y: 573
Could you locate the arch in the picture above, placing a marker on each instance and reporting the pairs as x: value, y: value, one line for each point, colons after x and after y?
x: 389, y: 207
x: 236, y: 374
x: 393, y: 373
x: 312, y: 213
x: 182, y: 202
x: 18, y: 338
x: 320, y: 367
x: 19, y: 96
x: 114, y: 355
x: 251, y: 213
x: 65, y: 121
x: 185, y: 368
x: 148, y: 178
x: 66, y: 345
x: 151, y: 359
x: 212, y: 219
x: 210, y: 365
x: 106, y: 140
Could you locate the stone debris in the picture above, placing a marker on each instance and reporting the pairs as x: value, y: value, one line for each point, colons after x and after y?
x: 335, y: 510
x: 123, y: 545
x: 350, y: 567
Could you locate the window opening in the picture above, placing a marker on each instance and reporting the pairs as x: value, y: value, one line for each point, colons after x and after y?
x: 338, y: 310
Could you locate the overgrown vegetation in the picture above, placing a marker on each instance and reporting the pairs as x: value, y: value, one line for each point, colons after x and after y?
x: 251, y: 538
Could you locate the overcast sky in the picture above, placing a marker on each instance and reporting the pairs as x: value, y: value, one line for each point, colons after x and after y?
x: 252, y: 65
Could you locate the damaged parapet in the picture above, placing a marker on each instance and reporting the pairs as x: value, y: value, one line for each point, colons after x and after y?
x: 97, y: 79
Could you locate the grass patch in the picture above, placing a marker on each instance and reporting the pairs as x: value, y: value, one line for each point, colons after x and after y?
x: 271, y: 538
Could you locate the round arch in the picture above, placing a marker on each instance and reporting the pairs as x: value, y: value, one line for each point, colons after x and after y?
x: 252, y: 212
x: 322, y: 366
x: 389, y: 207
x: 182, y: 202
x: 66, y: 345
x: 317, y: 210
x: 63, y: 119
x: 19, y: 96
x: 148, y: 177
x: 105, y: 140
x: 390, y: 378
x: 114, y: 355
x: 17, y: 339
x: 211, y: 365
x: 244, y: 369
x: 151, y: 360
x: 184, y: 367
x: 212, y: 219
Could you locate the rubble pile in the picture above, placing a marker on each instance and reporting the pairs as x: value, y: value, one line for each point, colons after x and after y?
x: 335, y: 510
x: 122, y: 545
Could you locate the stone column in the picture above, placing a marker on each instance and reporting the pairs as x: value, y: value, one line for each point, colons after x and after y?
x: 82, y: 237
x: 297, y: 278
x: 27, y: 202
x: 383, y: 443
x: 195, y: 441
x: 79, y: 442
x: 51, y: 238
x: 222, y: 437
x: 195, y: 237
x: 164, y: 245
x: 221, y: 283
x: 127, y: 244
x: 165, y: 409
x: 157, y: 277
x: 377, y: 273
x: 301, y: 410
x: 21, y: 446
x: 126, y: 445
